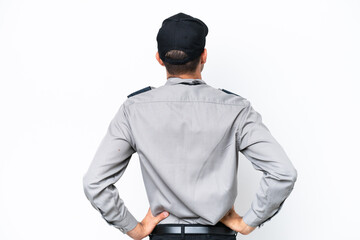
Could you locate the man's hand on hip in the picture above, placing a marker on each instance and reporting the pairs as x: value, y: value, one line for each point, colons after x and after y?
x: 236, y: 223
x: 146, y: 226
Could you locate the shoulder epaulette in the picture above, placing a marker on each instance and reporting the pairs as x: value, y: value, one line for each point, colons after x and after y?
x: 145, y: 89
x: 224, y: 90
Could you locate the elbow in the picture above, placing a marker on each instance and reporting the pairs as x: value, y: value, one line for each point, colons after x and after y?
x: 293, y: 174
x: 92, y: 186
x: 88, y: 186
x: 288, y: 174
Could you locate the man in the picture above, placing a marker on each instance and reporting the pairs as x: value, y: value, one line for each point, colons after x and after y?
x: 188, y: 136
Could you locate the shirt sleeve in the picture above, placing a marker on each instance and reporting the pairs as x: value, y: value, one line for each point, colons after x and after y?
x: 256, y: 143
x: 106, y: 168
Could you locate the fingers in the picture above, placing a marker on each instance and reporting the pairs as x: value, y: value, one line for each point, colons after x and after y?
x: 157, y: 219
x: 150, y: 221
x: 161, y: 216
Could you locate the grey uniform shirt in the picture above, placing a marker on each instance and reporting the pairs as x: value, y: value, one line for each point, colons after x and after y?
x: 188, y: 136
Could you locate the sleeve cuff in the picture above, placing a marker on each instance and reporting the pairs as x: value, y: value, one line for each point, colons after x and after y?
x: 128, y: 224
x: 251, y: 219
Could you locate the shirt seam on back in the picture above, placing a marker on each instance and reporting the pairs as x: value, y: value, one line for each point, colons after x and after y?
x: 234, y: 104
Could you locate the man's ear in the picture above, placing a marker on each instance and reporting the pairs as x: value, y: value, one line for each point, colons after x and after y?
x: 159, y: 59
x: 203, y: 56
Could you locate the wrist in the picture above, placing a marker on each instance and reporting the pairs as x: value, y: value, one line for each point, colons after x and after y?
x: 244, y: 228
x: 137, y: 232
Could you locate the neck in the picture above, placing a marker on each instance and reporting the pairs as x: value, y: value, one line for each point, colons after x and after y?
x: 184, y: 76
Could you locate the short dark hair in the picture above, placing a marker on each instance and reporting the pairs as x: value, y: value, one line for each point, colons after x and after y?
x: 189, y: 67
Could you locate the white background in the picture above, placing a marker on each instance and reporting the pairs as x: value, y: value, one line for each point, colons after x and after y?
x: 66, y: 66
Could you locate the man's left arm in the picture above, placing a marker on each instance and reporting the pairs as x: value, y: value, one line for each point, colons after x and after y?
x: 266, y: 155
x: 107, y: 167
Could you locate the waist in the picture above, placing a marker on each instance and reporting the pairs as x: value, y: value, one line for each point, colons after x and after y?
x: 182, y: 229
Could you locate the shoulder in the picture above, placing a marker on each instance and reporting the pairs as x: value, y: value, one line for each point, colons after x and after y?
x: 230, y: 95
x: 142, y: 90
x: 227, y: 91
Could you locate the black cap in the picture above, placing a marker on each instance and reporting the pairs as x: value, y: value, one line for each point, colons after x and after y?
x: 181, y: 32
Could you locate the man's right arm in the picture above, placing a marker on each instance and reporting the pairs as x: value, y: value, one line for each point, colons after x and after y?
x: 255, y: 141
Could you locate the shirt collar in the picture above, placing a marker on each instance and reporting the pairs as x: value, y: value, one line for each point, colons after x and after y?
x: 176, y: 80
